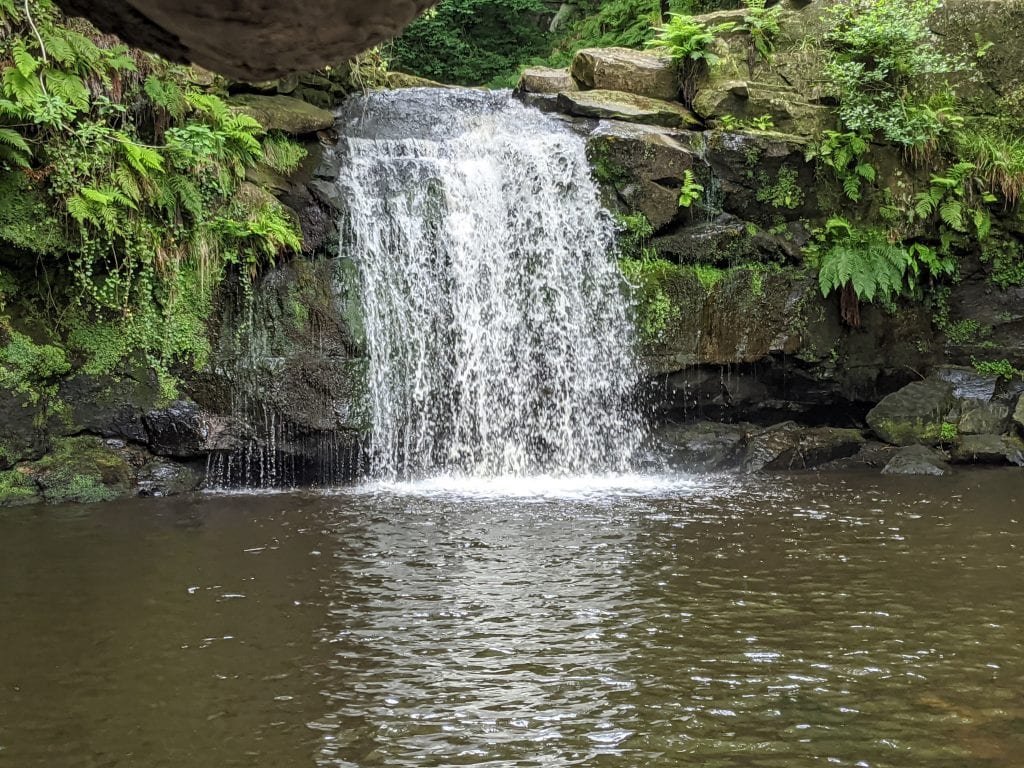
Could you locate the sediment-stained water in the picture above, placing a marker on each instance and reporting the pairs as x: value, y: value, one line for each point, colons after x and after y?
x: 785, y: 622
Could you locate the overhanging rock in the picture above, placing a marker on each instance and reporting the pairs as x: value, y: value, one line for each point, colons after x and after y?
x: 249, y: 39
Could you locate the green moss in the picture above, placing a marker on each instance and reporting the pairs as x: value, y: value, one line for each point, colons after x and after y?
x: 30, y: 368
x: 654, y: 310
x: 605, y: 170
x: 17, y: 488
x: 83, y: 470
x: 946, y: 432
x: 708, y: 276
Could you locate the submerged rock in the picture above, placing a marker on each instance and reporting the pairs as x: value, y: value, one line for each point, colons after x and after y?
x: 914, y: 414
x: 628, y: 107
x: 623, y: 69
x: 917, y: 460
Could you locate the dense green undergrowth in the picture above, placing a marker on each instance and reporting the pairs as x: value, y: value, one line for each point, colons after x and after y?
x: 123, y: 202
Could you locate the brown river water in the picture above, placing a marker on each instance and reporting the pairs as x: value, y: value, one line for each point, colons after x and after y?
x: 795, y: 621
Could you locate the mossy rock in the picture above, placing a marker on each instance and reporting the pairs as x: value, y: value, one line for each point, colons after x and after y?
x: 17, y: 488
x: 283, y: 113
x: 628, y: 107
x: 644, y: 73
x: 914, y: 414
x: 83, y: 470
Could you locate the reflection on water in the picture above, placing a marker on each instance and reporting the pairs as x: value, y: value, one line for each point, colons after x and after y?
x: 853, y: 622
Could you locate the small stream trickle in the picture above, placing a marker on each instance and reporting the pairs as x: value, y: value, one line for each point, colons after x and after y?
x: 496, y: 324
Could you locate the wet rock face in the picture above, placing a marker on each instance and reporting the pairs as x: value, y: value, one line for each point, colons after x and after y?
x: 250, y: 40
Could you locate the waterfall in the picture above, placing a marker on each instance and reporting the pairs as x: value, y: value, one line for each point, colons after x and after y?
x: 496, y: 324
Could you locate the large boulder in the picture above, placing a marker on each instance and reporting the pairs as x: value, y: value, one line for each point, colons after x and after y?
x: 283, y: 113
x: 748, y: 101
x: 111, y: 406
x: 981, y: 418
x: 628, y: 107
x: 623, y: 69
x: 917, y: 460
x: 914, y: 414
x: 1018, y: 415
x: 646, y: 166
x: 546, y: 80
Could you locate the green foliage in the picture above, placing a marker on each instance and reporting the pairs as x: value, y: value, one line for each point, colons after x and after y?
x: 1006, y: 258
x: 634, y: 231
x: 1001, y: 368
x: 784, y: 192
x: 843, y: 154
x: 654, y: 309
x: 282, y: 154
x: 131, y: 192
x: 470, y: 42
x: 883, y: 66
x: 763, y: 123
x: 762, y: 24
x: 996, y: 149
x: 17, y: 488
x: 30, y: 368
x: 688, y: 40
x: 691, y: 191
x: 709, y: 276
x: 863, y: 260
x: 951, y: 199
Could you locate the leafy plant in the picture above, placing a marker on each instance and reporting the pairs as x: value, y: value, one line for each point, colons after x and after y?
x: 763, y: 123
x: 952, y: 198
x: 691, y: 43
x: 784, y: 192
x: 128, y: 189
x: 862, y: 265
x: 762, y: 24
x: 1001, y: 368
x: 843, y: 154
x: 691, y: 191
x: 882, y: 64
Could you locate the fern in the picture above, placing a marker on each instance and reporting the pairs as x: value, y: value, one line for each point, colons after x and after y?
x: 14, y: 148
x: 282, y: 154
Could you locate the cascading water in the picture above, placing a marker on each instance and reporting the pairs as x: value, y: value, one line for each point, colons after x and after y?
x: 497, y: 328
